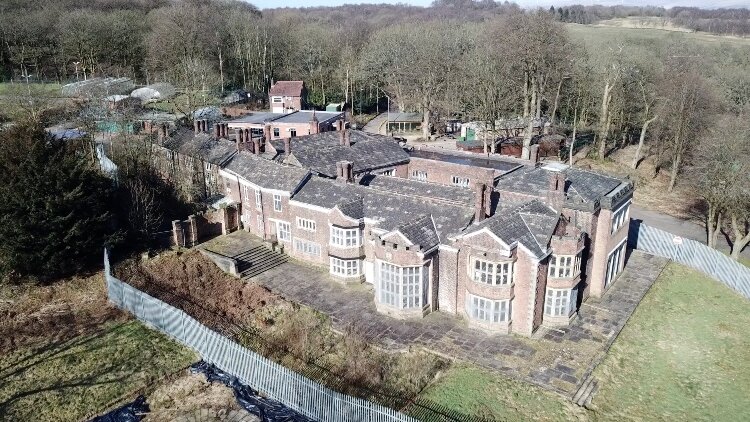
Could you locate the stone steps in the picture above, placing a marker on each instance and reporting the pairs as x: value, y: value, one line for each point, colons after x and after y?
x: 586, y: 392
x: 258, y: 260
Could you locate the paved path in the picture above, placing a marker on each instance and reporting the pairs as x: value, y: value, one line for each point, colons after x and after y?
x: 684, y: 228
x: 376, y: 125
x: 556, y: 359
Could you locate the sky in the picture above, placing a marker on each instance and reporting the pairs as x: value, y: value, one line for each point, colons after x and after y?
x: 263, y: 4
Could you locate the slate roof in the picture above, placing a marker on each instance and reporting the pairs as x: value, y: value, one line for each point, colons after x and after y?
x: 267, y: 174
x: 530, y: 224
x: 581, y: 185
x: 391, y: 214
x: 474, y: 160
x: 399, y: 185
x: 287, y: 88
x: 202, y: 145
x: 304, y: 116
x: 421, y: 231
x: 320, y: 152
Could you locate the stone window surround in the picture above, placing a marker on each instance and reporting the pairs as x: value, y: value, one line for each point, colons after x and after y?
x: 420, y: 175
x: 306, y: 247
x: 460, y: 181
x: 472, y: 271
x: 258, y: 203
x: 283, y: 235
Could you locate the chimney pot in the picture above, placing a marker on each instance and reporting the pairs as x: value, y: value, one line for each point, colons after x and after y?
x: 196, y: 126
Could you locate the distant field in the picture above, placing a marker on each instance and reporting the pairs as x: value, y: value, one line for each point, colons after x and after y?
x: 67, y: 381
x: 683, y: 355
x: 595, y: 35
x: 644, y: 22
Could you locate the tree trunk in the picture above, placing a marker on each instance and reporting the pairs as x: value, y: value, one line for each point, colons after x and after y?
x: 575, y: 129
x: 641, y: 140
x: 426, y: 124
x: 526, y: 106
x: 556, y: 103
x: 675, y: 169
x: 740, y: 241
x: 534, y: 97
x: 604, y: 120
x: 711, y: 226
x: 526, y: 152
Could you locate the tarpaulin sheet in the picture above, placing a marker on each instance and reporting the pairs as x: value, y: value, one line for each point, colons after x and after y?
x: 266, y: 409
x: 131, y: 412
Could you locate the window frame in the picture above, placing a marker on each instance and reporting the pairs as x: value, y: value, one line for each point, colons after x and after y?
x: 306, y: 224
x: 345, y: 237
x: 307, y: 247
x: 292, y: 132
x: 389, y: 172
x: 462, y: 182
x: 276, y: 132
x: 344, y: 267
x: 490, y: 275
x: 569, y: 269
x: 279, y: 231
x: 277, y: 202
x: 419, y: 175
x: 560, y: 302
x: 620, y: 217
x: 492, y: 311
x: 258, y: 201
x: 277, y: 99
x: 402, y: 287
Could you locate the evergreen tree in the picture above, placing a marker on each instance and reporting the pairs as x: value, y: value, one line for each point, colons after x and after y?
x: 54, y: 212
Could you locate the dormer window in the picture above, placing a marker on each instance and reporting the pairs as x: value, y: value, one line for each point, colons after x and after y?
x: 492, y: 273
x: 564, y: 266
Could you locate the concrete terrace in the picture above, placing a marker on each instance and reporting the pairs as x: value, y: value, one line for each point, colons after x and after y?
x: 556, y: 359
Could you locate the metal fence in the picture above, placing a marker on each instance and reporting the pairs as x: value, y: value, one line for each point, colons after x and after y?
x: 275, y: 381
x: 691, y: 253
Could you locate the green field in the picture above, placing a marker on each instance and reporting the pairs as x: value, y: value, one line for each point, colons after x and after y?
x: 684, y: 355
x: 613, y: 35
x: 73, y: 379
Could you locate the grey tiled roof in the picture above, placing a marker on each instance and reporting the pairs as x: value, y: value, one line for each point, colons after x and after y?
x: 320, y: 152
x: 399, y: 185
x: 354, y: 208
x: 581, y: 185
x: 421, y: 231
x: 304, y: 116
x: 467, y: 159
x: 531, y: 224
x: 266, y: 173
x: 201, y: 145
x: 381, y: 206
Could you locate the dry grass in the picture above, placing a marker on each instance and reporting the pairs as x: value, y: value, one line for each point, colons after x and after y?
x: 191, y: 394
x: 651, y: 192
x: 31, y: 313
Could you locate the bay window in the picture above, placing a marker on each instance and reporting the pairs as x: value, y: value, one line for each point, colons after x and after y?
x: 492, y: 273
x: 564, y: 266
x: 487, y: 310
x: 560, y: 302
x: 345, y: 238
x: 402, y: 287
x: 345, y: 267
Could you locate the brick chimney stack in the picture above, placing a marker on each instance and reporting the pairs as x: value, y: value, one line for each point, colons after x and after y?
x: 256, y: 146
x: 287, y: 146
x: 534, y: 153
x: 196, y: 126
x: 217, y: 130
x: 479, y: 206
x: 314, y: 124
x: 556, y: 189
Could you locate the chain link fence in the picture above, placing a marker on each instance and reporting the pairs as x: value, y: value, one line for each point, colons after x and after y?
x: 691, y: 253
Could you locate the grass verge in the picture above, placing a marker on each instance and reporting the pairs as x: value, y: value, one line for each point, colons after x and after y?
x: 684, y: 355
x: 71, y: 379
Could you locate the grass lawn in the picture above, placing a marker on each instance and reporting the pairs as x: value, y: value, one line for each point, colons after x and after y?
x: 75, y: 378
x: 684, y: 355
x: 474, y: 391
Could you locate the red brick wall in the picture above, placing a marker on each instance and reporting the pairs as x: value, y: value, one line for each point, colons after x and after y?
x: 442, y: 172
